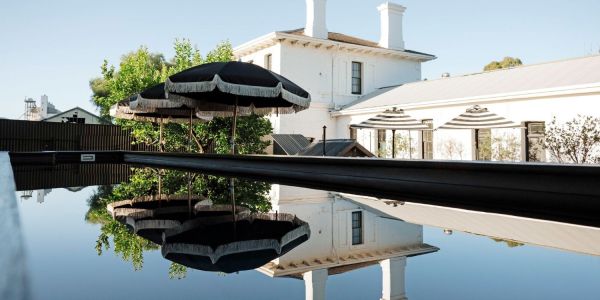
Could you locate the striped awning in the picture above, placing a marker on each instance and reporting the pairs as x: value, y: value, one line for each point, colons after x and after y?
x: 478, y: 117
x: 392, y: 120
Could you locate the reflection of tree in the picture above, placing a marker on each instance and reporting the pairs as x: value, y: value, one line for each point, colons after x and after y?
x: 131, y: 247
x: 509, y: 243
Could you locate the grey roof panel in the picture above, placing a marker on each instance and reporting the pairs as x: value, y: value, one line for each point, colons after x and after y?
x: 291, y: 143
x: 557, y: 74
x: 334, y: 147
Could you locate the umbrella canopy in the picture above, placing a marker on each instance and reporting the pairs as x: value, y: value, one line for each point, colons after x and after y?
x: 392, y: 120
x: 151, y: 223
x: 478, y: 117
x: 123, y: 110
x: 125, y: 208
x: 153, y: 97
x: 221, y: 245
x: 236, y: 84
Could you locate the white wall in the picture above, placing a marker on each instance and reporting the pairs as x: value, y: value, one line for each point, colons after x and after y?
x: 326, y: 75
x: 89, y: 118
x: 564, y: 108
x: 331, y: 225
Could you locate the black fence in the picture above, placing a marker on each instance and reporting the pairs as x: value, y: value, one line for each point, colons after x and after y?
x: 24, y: 136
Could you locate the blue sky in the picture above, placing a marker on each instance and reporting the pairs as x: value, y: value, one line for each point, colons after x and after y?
x: 55, y: 47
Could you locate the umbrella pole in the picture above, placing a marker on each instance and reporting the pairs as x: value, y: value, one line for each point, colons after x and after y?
x: 409, y: 146
x: 189, y: 194
x: 233, y: 126
x: 394, y: 143
x: 190, y: 133
x: 160, y: 135
x: 476, y: 144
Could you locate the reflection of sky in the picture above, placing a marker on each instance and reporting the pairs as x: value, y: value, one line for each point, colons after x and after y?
x: 64, y: 264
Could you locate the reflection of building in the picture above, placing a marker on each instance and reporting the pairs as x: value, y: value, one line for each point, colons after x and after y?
x: 344, y: 237
x: 574, y: 238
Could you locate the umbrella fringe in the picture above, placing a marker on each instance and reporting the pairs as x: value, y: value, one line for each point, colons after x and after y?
x: 231, y: 88
x: 141, y: 103
x: 138, y: 225
x: 242, y: 246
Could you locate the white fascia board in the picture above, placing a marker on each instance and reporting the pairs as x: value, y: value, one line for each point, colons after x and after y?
x: 277, y: 37
x: 504, y: 97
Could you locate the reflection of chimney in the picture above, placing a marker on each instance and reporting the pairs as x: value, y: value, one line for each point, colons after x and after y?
x: 316, y: 23
x: 391, y: 26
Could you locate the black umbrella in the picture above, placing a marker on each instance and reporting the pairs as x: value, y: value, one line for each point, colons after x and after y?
x: 223, y: 87
x: 219, y: 244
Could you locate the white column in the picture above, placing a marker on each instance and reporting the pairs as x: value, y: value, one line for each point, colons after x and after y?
x: 314, y: 284
x: 393, y: 278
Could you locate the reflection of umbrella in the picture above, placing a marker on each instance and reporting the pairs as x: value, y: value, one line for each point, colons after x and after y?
x: 151, y: 223
x: 222, y: 87
x: 393, y: 120
x: 214, y: 245
x: 143, y: 204
x: 476, y: 118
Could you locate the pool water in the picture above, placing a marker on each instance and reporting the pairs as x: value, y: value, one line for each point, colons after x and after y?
x: 355, y: 248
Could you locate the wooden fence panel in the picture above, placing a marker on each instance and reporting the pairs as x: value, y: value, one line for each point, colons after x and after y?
x: 25, y: 136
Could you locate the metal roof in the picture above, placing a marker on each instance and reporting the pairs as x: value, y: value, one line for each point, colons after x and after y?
x: 336, y: 147
x: 527, y: 78
x: 291, y: 143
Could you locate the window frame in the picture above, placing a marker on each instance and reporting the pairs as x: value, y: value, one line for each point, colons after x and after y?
x: 360, y: 228
x: 359, y: 77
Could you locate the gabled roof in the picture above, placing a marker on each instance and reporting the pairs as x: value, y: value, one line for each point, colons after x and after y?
x: 337, y: 147
x: 521, y: 80
x: 291, y: 144
x: 70, y: 110
x: 343, y: 38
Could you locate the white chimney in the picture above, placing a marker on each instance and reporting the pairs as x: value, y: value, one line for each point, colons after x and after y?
x: 43, y: 106
x: 391, y: 25
x: 316, y: 25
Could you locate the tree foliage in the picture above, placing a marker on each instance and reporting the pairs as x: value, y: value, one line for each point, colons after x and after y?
x: 575, y: 141
x: 142, y: 69
x: 507, y: 62
x: 130, y: 247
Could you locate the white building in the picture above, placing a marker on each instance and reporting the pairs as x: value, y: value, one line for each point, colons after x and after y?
x: 335, y: 68
x: 344, y: 237
x: 531, y: 95
x: 76, y: 115
x: 351, y: 80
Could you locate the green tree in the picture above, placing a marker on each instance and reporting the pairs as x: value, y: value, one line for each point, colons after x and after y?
x: 507, y: 62
x: 141, y: 69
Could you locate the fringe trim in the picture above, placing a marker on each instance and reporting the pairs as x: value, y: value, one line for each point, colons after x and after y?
x: 242, y: 246
x: 151, y: 224
x: 232, y: 88
x: 142, y: 103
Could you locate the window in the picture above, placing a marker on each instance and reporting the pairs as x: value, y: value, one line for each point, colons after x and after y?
x: 356, y: 78
x: 483, y: 144
x: 357, y: 228
x: 268, y: 59
x: 427, y: 141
